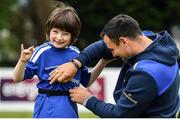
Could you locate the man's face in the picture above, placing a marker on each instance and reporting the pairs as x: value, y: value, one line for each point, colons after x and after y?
x: 115, y: 49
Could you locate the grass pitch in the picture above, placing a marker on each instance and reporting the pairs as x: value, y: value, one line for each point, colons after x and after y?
x: 29, y: 115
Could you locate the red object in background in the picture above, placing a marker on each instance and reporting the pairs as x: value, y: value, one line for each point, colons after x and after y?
x: 22, y: 91
x: 97, y: 88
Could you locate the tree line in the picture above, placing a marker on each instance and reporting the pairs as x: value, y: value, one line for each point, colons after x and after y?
x: 22, y: 21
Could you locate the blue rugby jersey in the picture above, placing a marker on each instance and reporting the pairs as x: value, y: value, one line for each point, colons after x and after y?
x: 45, y: 59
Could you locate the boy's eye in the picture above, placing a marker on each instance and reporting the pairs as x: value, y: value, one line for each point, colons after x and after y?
x: 55, y: 31
x: 65, y: 33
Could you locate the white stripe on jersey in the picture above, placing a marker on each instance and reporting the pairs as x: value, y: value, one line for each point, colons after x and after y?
x: 37, y: 49
x: 74, y: 49
x: 135, y: 65
x: 39, y: 53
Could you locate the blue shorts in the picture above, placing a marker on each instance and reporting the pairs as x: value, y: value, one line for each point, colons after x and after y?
x: 54, y: 107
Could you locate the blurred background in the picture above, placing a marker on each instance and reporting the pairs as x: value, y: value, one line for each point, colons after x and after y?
x: 22, y: 21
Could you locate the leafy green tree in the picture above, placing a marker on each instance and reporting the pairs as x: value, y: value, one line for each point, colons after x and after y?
x: 24, y: 23
x: 8, y: 41
x: 151, y: 14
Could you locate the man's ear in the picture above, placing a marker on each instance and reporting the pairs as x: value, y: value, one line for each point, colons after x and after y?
x: 123, y: 41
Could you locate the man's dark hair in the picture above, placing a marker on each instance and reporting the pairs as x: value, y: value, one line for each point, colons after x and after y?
x: 121, y: 26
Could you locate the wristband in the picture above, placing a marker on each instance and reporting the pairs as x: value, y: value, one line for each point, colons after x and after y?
x: 75, y: 64
x: 86, y: 100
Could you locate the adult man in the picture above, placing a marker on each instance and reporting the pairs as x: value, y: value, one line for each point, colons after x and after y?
x: 148, y: 83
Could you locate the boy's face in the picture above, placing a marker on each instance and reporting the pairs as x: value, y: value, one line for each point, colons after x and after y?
x: 59, y: 38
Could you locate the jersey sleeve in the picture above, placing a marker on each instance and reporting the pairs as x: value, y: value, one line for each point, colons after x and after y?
x: 31, y: 66
x: 30, y: 70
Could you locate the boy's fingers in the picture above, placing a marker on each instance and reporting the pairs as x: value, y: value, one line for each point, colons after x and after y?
x: 22, y: 47
x: 24, y: 50
x: 31, y: 48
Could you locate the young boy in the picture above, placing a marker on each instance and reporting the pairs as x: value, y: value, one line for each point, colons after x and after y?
x: 53, y: 101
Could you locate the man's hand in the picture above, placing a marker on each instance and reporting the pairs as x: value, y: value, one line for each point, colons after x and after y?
x: 63, y: 73
x: 79, y: 94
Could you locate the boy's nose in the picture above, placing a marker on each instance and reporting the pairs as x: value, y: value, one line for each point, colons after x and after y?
x: 59, y: 36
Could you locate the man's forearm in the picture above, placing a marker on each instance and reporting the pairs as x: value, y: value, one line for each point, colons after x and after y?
x: 93, y: 52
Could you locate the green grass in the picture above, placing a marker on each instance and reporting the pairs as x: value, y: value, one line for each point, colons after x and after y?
x: 87, y: 115
x: 29, y: 115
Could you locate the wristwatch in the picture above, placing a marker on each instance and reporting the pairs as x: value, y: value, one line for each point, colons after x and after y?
x: 75, y: 64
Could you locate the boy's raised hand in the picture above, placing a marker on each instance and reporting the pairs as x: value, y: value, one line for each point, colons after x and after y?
x: 26, y: 53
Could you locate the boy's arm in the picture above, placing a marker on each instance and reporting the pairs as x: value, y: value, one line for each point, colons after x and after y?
x: 19, y: 69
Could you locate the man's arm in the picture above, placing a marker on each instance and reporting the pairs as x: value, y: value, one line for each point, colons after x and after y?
x: 133, y: 100
x: 94, y: 52
x: 67, y: 71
